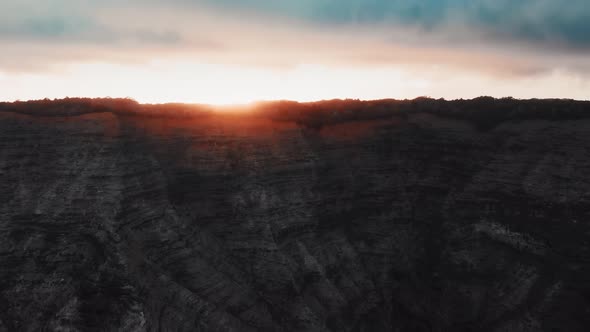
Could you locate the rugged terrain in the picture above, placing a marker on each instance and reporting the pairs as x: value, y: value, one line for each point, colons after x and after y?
x: 407, y: 221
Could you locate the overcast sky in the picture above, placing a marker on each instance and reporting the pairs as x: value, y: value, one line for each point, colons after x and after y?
x: 235, y: 51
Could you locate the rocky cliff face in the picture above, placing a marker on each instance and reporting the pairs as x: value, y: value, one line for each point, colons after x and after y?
x: 240, y: 223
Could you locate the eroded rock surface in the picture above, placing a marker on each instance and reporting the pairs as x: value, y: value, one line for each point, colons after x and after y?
x: 419, y: 223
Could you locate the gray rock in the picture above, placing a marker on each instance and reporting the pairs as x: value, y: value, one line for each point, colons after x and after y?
x: 116, y: 222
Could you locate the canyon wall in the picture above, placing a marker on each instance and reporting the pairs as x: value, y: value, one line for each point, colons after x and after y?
x: 231, y: 222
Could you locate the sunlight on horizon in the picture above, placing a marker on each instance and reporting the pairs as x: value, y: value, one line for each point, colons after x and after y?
x: 170, y: 81
x: 218, y: 84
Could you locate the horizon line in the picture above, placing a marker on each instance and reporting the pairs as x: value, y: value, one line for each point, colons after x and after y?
x: 265, y: 101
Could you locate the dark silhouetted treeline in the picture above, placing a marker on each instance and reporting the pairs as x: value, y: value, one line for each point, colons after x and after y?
x: 484, y: 112
x: 120, y: 106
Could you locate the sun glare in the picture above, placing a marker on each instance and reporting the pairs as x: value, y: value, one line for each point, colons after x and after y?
x: 229, y: 85
x: 216, y: 84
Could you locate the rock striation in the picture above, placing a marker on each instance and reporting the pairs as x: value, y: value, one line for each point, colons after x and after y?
x: 113, y: 221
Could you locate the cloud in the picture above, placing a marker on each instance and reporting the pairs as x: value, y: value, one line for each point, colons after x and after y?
x: 498, y: 37
x: 540, y: 22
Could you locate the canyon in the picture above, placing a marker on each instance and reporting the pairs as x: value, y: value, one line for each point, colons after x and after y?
x: 409, y: 220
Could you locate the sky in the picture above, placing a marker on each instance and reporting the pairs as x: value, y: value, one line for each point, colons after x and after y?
x: 238, y: 51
